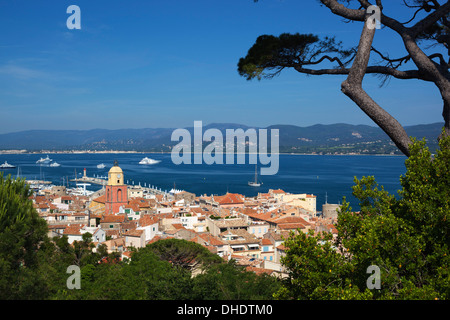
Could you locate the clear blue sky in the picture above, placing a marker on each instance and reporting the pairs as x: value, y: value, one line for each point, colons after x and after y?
x: 167, y: 63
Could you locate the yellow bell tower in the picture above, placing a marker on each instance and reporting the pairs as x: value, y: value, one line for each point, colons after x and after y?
x: 116, y: 190
x: 115, y: 175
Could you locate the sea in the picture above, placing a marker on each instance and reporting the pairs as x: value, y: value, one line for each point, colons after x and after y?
x: 328, y: 177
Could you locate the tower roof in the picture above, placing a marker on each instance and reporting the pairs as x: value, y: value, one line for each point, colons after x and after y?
x: 115, y: 168
x: 115, y: 175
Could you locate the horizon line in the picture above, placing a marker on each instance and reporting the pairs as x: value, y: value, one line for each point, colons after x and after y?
x: 220, y: 123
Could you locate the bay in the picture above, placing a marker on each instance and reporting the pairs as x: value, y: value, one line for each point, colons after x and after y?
x: 329, y: 177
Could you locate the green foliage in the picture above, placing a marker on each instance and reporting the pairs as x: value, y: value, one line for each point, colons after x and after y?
x: 271, y: 53
x: 406, y: 237
x: 148, y: 277
x: 21, y: 232
x: 184, y: 254
x: 228, y: 281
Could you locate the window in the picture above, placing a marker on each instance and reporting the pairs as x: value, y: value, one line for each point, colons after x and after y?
x: 111, y: 226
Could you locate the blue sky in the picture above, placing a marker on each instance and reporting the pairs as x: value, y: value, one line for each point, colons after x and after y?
x: 167, y: 63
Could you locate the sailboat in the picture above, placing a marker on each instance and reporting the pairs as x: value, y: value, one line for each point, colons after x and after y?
x: 255, y: 183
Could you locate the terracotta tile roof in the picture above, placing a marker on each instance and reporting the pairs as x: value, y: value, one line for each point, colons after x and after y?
x: 77, y: 214
x: 57, y: 226
x: 128, y: 225
x: 287, y: 226
x: 127, y: 254
x: 279, y: 236
x: 230, y: 198
x: 101, y: 199
x: 147, y: 220
x: 134, y: 233
x: 157, y: 238
x: 224, y: 223
x: 264, y: 195
x: 197, y: 210
x: 265, y: 216
x: 209, y: 238
x: 259, y: 270
x: 38, y: 199
x: 73, y: 229
x: 112, y: 233
x: 248, y: 211
x: 115, y: 243
x: 243, y: 237
x: 290, y: 219
x: 177, y: 226
x: 113, y: 218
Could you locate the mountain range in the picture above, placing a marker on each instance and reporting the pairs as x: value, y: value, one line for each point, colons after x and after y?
x: 322, y: 139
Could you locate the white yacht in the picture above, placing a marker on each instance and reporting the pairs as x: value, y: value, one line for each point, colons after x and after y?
x: 55, y: 164
x: 44, y: 160
x: 149, y: 161
x: 101, y: 166
x: 255, y: 183
x: 6, y: 165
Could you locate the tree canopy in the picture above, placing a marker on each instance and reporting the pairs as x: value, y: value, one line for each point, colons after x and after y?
x: 406, y: 238
x: 428, y: 29
x: 21, y: 233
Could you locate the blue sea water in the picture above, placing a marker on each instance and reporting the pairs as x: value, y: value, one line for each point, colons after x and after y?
x: 326, y: 176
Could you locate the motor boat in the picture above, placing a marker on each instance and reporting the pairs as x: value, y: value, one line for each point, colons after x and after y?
x: 101, y: 166
x: 6, y: 165
x: 55, y: 164
x: 149, y: 161
x: 44, y: 160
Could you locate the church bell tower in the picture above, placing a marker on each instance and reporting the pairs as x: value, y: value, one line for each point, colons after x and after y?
x: 116, y: 190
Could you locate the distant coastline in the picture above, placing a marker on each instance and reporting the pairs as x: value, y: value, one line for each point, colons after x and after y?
x: 334, y: 139
x: 16, y: 152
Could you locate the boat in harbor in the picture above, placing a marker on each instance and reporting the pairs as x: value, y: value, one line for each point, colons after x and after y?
x: 55, y: 164
x: 255, y: 183
x: 6, y: 165
x: 101, y: 166
x: 147, y: 161
x: 46, y: 160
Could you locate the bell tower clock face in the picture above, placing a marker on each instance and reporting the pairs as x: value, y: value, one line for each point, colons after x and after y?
x: 118, y: 176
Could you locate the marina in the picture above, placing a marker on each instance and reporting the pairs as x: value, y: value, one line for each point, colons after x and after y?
x: 86, y: 181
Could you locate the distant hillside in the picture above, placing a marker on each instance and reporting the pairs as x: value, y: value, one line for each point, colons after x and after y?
x: 324, y: 139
